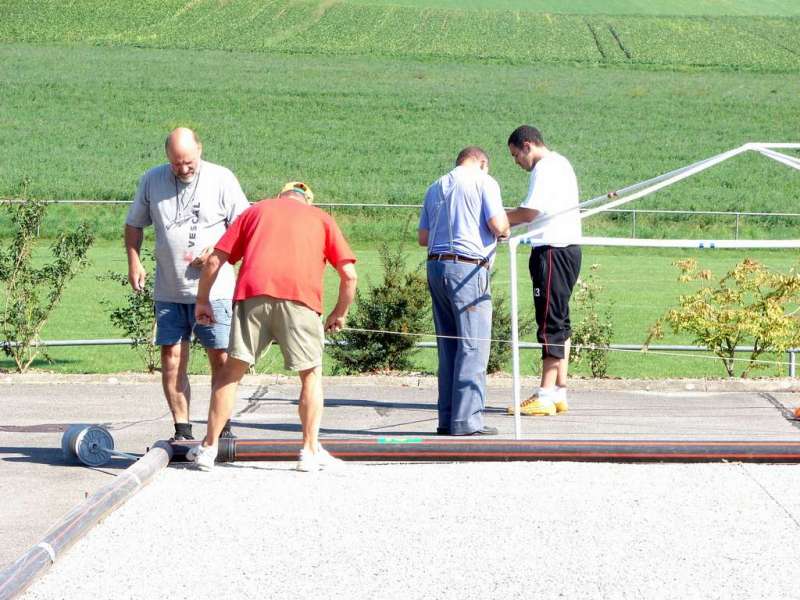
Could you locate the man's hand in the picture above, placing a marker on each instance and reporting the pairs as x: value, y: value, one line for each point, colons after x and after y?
x: 201, y: 259
x: 136, y: 277
x: 203, y: 313
x: 335, y: 322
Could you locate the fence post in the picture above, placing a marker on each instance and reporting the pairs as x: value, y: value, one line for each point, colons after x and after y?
x: 737, y: 226
x: 633, y: 213
x: 792, y: 362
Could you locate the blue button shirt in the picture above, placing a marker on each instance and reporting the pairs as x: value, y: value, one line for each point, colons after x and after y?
x: 456, y: 212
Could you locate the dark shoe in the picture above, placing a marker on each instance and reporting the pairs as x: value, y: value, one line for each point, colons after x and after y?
x: 183, y: 431
x: 442, y: 431
x: 485, y: 430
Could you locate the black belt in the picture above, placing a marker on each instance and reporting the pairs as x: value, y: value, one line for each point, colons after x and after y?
x: 482, y: 262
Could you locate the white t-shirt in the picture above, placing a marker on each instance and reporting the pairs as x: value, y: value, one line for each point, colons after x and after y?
x: 553, y: 192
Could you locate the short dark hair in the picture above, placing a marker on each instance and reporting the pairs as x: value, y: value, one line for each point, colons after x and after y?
x: 525, y: 133
x: 471, y: 152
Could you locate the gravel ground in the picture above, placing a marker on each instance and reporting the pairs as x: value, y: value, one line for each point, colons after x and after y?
x: 407, y: 531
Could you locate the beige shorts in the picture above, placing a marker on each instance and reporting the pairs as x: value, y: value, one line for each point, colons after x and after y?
x: 261, y: 320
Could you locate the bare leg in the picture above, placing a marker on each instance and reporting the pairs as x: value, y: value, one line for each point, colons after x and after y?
x: 216, y: 360
x: 563, y: 365
x: 223, y: 397
x: 550, y: 368
x: 310, y: 409
x: 175, y: 381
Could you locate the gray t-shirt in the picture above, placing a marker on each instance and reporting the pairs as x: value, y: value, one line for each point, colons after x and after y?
x: 187, y: 218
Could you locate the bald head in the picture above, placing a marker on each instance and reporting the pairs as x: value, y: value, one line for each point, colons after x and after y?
x: 183, y: 150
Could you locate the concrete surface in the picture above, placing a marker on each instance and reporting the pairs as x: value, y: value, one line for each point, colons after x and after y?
x: 446, y: 531
x: 37, y: 487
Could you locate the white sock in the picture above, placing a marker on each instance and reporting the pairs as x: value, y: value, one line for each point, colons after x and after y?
x: 547, y: 395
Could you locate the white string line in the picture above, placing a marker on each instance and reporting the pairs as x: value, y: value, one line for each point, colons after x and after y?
x: 575, y: 346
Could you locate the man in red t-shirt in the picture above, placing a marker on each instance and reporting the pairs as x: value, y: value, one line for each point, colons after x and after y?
x: 284, y: 244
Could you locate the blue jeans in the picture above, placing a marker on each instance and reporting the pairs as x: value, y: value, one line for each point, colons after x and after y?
x: 462, y: 307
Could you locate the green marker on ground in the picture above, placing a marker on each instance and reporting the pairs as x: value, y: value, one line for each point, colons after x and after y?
x: 400, y: 440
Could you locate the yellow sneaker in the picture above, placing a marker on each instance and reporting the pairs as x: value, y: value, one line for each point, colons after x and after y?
x: 562, y: 406
x: 533, y: 407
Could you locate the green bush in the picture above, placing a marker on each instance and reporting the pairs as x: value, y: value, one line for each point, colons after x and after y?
x: 32, y: 292
x: 375, y: 339
x: 136, y: 319
x: 591, y: 336
x: 751, y: 304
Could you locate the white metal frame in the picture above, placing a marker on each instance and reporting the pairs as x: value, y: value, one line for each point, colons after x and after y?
x: 629, y: 194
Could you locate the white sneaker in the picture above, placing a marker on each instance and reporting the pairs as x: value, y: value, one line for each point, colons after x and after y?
x: 203, y: 457
x: 310, y: 462
x: 307, y: 462
x: 327, y: 461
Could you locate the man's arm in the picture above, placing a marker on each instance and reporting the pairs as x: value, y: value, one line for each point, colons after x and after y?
x: 499, y: 225
x: 133, y: 248
x: 422, y: 237
x: 202, y: 308
x: 347, y: 292
x: 521, y: 215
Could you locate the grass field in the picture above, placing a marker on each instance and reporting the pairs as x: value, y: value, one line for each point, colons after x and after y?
x: 651, y: 274
x: 370, y: 100
x: 86, y: 122
x: 784, y: 8
x: 289, y: 26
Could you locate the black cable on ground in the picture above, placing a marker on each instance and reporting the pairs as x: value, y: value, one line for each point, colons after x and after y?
x: 455, y: 449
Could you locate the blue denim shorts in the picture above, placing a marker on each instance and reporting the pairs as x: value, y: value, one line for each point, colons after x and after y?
x: 175, y: 323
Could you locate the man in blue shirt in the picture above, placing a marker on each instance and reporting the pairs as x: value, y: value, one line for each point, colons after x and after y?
x: 461, y: 219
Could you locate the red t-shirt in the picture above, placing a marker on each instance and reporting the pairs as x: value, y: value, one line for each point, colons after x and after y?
x: 283, y: 246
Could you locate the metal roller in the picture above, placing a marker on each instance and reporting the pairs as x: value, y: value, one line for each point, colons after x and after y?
x: 92, y: 445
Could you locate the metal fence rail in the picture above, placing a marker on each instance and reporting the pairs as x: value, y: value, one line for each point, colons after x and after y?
x: 791, y: 353
x: 737, y: 216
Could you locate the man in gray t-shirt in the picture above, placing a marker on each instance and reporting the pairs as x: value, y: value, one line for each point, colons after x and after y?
x: 190, y: 203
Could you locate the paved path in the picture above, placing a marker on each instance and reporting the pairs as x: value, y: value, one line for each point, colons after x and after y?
x: 37, y: 488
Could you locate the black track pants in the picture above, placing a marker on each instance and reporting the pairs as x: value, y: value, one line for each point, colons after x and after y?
x: 554, y: 272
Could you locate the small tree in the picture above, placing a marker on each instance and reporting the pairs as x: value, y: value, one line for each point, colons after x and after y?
x: 500, y: 351
x: 31, y: 292
x: 591, y: 336
x: 400, y: 303
x: 136, y: 318
x: 748, y: 306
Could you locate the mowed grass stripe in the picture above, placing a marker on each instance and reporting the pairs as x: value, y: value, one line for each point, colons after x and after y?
x: 433, y: 33
x: 782, y: 8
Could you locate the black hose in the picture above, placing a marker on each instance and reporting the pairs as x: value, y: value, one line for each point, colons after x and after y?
x: 471, y: 449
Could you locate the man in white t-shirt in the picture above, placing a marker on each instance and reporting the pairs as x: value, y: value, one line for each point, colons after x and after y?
x: 551, y: 208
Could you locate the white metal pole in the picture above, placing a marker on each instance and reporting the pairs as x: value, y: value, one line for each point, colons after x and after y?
x: 789, y: 161
x: 667, y: 182
x: 512, y: 251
